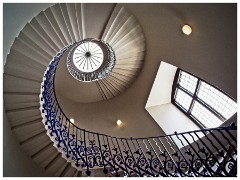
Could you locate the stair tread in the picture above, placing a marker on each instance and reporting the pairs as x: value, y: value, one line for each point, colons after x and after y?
x: 16, y: 106
x: 18, y: 98
x: 73, y: 20
x: 17, y: 58
x: 20, y: 46
x: 57, y: 13
x: 14, y: 84
x: 34, y: 45
x: 49, y: 14
x: 67, y: 20
x: 38, y: 38
x: 56, y: 165
x: 37, y: 145
x: 46, y: 25
x: 38, y: 28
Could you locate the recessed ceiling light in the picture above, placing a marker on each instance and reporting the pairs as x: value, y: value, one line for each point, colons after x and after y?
x: 72, y: 120
x: 119, y: 122
x: 187, y: 29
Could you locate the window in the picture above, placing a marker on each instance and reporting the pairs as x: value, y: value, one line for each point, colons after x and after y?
x: 206, y: 105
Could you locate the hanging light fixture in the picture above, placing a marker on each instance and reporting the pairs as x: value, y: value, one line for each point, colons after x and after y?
x: 119, y: 122
x: 187, y: 29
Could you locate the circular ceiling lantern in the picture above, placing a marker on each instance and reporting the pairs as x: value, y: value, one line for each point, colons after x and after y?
x: 91, y: 60
x: 187, y: 29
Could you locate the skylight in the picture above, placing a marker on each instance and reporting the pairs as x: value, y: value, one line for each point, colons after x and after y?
x: 203, y: 103
x: 88, y: 57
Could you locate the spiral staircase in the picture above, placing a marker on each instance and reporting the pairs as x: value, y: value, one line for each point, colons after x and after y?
x: 36, y: 45
x: 29, y: 75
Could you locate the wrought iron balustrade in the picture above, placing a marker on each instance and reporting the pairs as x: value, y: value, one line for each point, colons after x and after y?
x: 208, y: 152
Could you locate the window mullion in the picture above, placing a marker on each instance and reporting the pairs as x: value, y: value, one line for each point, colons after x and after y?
x: 199, y: 100
x: 194, y: 97
x: 210, y: 109
x: 185, y: 90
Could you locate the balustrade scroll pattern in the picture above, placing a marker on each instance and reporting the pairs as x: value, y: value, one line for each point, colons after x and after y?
x: 179, y: 154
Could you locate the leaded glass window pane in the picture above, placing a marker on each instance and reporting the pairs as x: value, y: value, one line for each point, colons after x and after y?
x: 217, y: 100
x: 183, y: 99
x: 206, y: 117
x: 188, y: 81
x: 203, y: 103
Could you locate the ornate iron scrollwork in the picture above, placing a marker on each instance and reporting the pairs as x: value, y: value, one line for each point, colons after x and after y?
x: 179, y: 154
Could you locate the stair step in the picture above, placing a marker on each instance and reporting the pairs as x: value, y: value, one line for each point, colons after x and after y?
x: 51, y: 160
x: 16, y: 106
x: 111, y: 86
x: 34, y: 45
x: 134, y: 38
x: 118, y: 22
x: 107, y: 93
x: 46, y: 25
x: 26, y: 115
x: 62, y: 170
x: 16, y: 61
x: 37, y: 130
x: 57, y: 13
x: 67, y: 20
x: 122, y: 74
x: 37, y: 145
x: 78, y: 173
x: 38, y: 38
x: 78, y: 7
x: 16, y: 58
x: 129, y: 55
x: 45, y: 156
x: 34, y: 48
x: 70, y: 172
x: 123, y: 29
x: 34, y: 152
x: 121, y: 53
x: 29, y: 52
x: 56, y: 165
x: 14, y: 84
x: 16, y: 98
x: 44, y: 34
x: 73, y: 20
x: 116, y: 83
x: 131, y: 60
x: 23, y: 73
x: 26, y: 123
x: 111, y: 22
x: 49, y: 14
